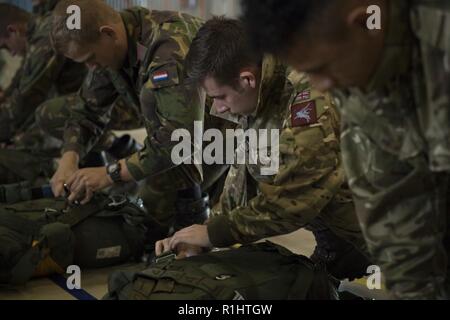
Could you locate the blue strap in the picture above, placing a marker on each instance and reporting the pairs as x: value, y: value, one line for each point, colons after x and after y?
x: 79, y: 294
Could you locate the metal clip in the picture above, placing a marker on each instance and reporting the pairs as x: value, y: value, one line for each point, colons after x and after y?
x: 168, y: 256
x: 223, y: 277
x: 117, y: 201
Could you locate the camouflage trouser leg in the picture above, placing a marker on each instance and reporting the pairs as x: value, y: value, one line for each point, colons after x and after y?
x: 53, y: 114
x: 17, y: 166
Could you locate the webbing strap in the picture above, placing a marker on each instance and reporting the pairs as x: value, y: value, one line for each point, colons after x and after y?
x: 80, y: 213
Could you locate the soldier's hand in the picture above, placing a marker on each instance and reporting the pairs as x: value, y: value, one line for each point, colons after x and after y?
x: 68, y: 165
x: 162, y: 246
x: 196, y: 235
x: 183, y: 250
x: 85, y: 182
x: 186, y: 250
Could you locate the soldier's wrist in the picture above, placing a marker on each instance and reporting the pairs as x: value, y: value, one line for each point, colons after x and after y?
x: 71, y: 158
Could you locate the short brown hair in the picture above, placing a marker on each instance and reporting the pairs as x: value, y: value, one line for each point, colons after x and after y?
x: 220, y: 50
x: 10, y: 14
x: 94, y: 14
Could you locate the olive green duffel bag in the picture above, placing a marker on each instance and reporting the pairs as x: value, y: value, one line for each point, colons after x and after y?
x: 263, y: 271
x: 41, y: 237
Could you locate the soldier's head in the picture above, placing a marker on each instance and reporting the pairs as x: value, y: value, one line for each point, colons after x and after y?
x: 221, y: 60
x: 328, y: 39
x: 100, y: 38
x: 13, y: 29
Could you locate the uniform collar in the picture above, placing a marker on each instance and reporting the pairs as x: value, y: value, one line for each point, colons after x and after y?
x: 396, y: 57
x: 134, y: 31
x: 31, y: 28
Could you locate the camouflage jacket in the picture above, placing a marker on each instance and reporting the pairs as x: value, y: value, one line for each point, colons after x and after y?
x: 43, y: 74
x: 45, y: 7
x: 396, y: 145
x: 310, y: 180
x: 153, y: 81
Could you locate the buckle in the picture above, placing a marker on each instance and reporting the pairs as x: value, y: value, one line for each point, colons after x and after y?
x: 116, y: 201
x: 168, y: 256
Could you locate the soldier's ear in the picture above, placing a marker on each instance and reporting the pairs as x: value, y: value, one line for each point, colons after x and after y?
x: 357, y: 18
x: 11, y: 29
x: 248, y: 79
x: 109, y: 32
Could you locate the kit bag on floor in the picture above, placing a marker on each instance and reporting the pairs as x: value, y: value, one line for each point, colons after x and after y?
x: 263, y: 271
x: 44, y: 236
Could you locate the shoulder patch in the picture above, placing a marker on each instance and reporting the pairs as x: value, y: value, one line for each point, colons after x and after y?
x: 303, y: 96
x: 303, y: 114
x: 165, y: 75
x: 159, y: 76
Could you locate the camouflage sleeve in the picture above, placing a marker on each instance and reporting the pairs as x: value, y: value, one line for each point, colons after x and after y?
x: 309, y: 177
x: 168, y: 103
x: 40, y: 68
x: 89, y: 117
x: 13, y: 84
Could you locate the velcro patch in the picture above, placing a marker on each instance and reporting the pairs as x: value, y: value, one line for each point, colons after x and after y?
x: 303, y: 114
x: 160, y: 76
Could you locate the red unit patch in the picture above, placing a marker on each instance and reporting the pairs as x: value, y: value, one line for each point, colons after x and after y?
x: 303, y: 114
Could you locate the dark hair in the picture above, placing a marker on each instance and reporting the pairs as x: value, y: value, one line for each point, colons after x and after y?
x: 10, y: 14
x: 220, y: 50
x: 273, y: 24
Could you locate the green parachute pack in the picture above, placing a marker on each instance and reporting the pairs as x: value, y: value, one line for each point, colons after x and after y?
x: 45, y: 236
x: 263, y: 271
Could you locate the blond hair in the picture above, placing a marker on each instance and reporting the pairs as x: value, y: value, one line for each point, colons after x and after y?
x: 94, y: 14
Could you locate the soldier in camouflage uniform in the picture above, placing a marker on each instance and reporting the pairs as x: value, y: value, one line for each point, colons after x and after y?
x: 52, y: 114
x: 309, y: 183
x: 147, y: 72
x: 26, y: 152
x: 394, y: 94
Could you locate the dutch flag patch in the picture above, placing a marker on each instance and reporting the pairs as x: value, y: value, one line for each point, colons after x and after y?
x: 160, y: 76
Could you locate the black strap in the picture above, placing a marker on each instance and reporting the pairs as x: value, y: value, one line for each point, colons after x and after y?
x: 78, y: 214
x: 24, y: 269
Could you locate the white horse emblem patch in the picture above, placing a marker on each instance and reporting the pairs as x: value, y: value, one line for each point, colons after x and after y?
x: 304, y: 114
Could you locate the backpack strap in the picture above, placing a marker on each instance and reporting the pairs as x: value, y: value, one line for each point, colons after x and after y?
x: 24, y: 269
x: 78, y: 214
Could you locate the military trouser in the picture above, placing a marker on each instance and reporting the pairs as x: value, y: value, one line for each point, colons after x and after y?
x: 53, y: 114
x: 17, y: 166
x: 29, y: 156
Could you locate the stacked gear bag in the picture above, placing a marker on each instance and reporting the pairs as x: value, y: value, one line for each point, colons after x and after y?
x: 263, y: 271
x: 45, y: 236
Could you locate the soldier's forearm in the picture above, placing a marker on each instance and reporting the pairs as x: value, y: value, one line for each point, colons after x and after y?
x: 71, y: 157
x: 124, y: 172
